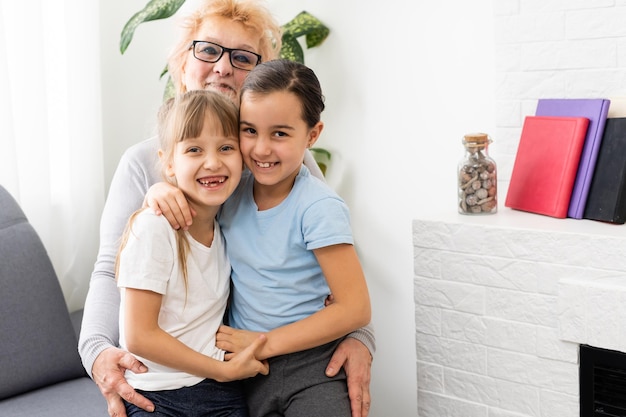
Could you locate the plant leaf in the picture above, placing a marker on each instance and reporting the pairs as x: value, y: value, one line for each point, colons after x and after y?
x: 291, y: 49
x: 305, y: 24
x: 322, y: 157
x: 154, y: 10
x: 169, y: 91
x: 165, y: 70
x: 322, y: 151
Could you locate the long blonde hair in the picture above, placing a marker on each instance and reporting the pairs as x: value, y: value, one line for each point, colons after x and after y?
x: 252, y: 14
x: 180, y: 118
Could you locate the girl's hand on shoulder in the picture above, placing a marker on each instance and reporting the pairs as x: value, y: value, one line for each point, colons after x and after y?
x: 168, y: 200
x: 234, y: 340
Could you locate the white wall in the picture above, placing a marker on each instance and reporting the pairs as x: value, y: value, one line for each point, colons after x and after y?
x: 403, y: 82
x: 553, y: 49
x: 548, y: 49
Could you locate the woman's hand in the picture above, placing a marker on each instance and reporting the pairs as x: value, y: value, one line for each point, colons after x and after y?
x: 168, y: 200
x: 108, y: 373
x: 356, y: 360
x: 234, y: 340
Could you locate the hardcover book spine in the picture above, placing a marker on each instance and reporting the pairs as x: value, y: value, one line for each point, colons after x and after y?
x: 586, y: 168
x: 607, y: 195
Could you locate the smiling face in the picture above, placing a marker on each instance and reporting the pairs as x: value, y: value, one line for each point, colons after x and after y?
x: 207, y: 168
x: 273, y: 138
x: 219, y: 76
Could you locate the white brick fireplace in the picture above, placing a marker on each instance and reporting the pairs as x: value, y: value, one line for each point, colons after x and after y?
x: 502, y: 303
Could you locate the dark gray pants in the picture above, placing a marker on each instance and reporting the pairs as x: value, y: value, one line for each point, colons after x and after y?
x: 298, y: 387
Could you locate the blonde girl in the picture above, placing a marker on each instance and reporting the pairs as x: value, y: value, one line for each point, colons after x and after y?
x: 174, y: 285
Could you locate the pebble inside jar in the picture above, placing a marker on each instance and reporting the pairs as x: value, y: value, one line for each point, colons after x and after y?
x: 477, y: 177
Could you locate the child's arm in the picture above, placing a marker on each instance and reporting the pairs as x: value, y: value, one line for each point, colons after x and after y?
x: 145, y: 338
x: 167, y: 199
x: 349, y: 310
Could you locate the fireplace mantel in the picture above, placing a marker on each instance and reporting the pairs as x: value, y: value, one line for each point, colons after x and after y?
x: 502, y: 303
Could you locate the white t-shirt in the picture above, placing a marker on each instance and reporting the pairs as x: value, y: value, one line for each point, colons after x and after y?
x: 193, y: 312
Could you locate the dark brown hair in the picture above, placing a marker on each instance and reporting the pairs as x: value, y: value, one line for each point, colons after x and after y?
x: 291, y: 76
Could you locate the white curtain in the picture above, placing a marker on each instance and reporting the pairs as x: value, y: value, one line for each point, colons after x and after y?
x: 50, y: 129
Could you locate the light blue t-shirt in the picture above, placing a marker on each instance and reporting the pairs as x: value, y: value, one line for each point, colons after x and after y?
x: 276, y: 277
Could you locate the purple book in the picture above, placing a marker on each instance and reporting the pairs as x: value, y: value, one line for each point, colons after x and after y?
x: 596, y: 110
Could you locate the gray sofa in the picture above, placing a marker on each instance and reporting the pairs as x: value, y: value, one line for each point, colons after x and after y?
x: 40, y: 371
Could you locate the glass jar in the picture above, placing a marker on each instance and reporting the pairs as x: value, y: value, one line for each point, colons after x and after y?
x: 477, y: 177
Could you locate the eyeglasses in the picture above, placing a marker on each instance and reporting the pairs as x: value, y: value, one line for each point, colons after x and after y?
x: 212, y: 52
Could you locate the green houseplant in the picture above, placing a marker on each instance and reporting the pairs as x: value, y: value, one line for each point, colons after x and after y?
x: 304, y: 24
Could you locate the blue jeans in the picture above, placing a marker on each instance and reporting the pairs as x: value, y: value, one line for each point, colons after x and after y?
x: 208, y: 398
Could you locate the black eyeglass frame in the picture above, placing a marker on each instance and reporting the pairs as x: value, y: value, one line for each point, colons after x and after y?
x: 230, y: 51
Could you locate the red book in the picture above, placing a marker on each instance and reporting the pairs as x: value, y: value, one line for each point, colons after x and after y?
x: 546, y: 164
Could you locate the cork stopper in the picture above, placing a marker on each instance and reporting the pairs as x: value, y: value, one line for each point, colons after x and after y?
x: 477, y: 138
x: 476, y: 141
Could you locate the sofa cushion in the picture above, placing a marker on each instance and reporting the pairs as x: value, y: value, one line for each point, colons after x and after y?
x: 38, y: 346
x: 76, y: 398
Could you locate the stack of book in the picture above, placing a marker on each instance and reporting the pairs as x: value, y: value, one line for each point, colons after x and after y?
x: 571, y: 162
